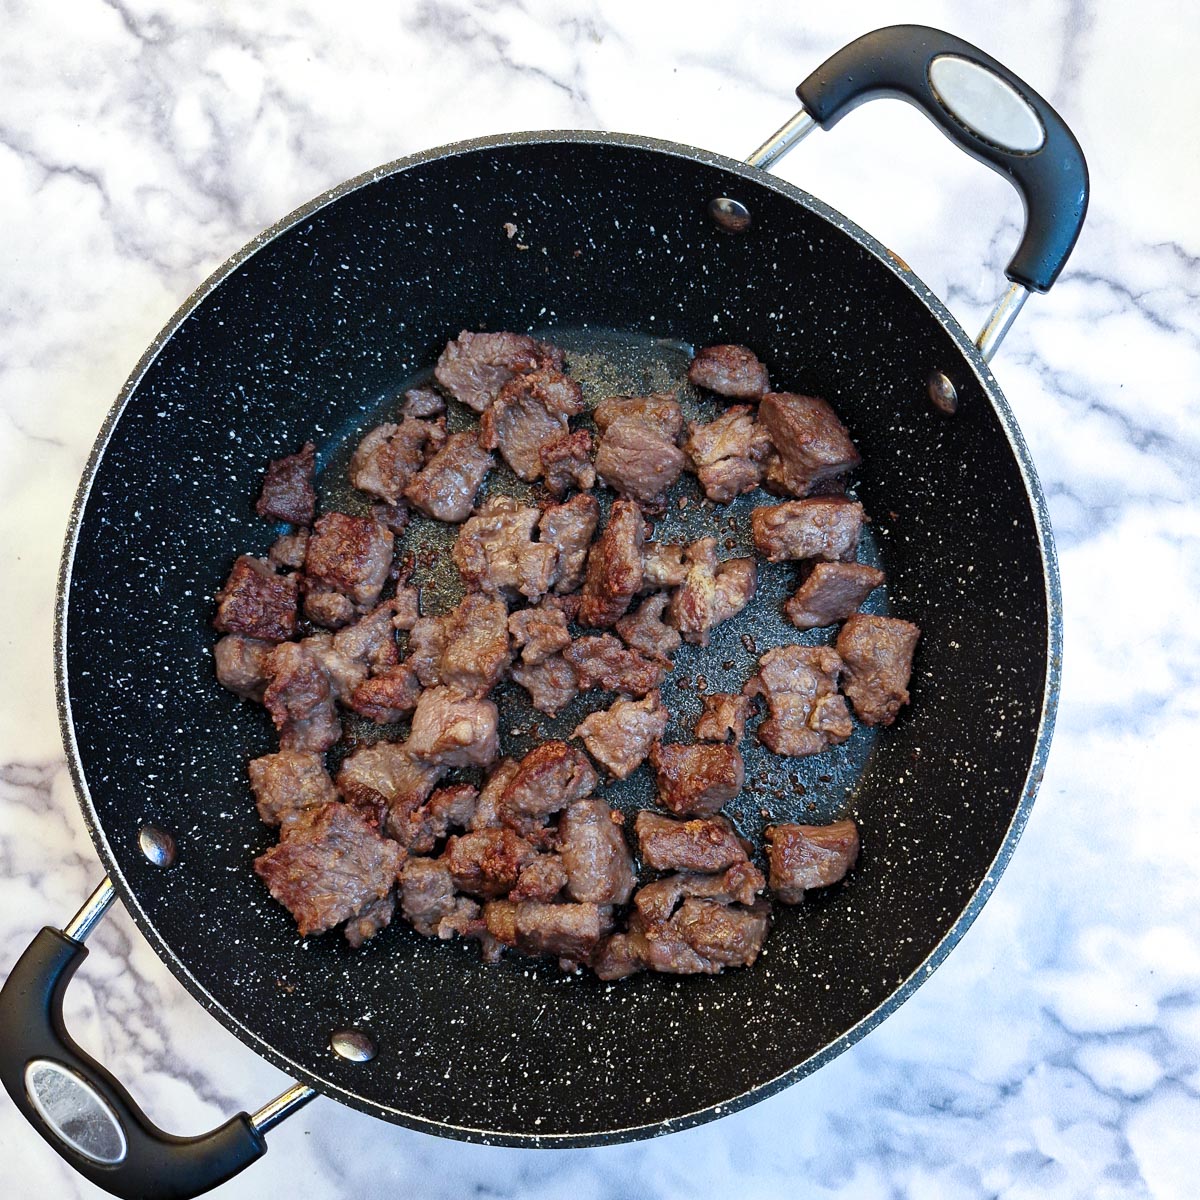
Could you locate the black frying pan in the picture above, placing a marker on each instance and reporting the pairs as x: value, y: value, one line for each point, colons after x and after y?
x: 636, y: 251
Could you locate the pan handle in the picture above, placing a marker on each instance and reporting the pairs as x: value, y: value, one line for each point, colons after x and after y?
x: 82, y: 1111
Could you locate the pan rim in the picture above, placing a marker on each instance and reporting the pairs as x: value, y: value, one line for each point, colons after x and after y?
x: 1033, y: 777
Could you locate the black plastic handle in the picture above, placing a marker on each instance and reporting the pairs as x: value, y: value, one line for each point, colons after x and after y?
x: 902, y: 61
x: 155, y: 1165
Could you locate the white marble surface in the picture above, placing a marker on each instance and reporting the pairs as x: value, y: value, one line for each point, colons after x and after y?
x: 1057, y: 1053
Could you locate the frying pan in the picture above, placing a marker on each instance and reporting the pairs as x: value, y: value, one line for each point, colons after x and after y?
x: 629, y: 252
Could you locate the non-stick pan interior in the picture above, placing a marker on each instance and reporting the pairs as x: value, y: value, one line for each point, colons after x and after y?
x: 612, y: 253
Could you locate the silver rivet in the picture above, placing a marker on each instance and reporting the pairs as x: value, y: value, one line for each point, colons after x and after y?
x: 943, y: 395
x: 157, y: 845
x: 353, y: 1045
x: 731, y: 215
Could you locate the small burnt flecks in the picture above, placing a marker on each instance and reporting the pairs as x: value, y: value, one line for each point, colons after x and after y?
x: 314, y: 336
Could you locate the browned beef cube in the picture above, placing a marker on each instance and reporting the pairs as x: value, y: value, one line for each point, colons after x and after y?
x: 636, y: 461
x: 495, y: 552
x: 256, y: 602
x: 811, y: 444
x: 567, y: 462
x: 596, y: 858
x: 617, y: 957
x: 448, y: 808
x: 541, y: 879
x: 614, y: 567
x: 604, y: 662
x: 620, y: 737
x: 800, y: 686
x: 386, y: 697
x: 730, y: 371
x: 529, y: 413
x: 390, y: 455
x: 289, y: 784
x: 809, y: 856
x: 878, y: 654
x: 646, y: 632
x: 825, y: 528
x: 707, y: 844
x: 395, y: 516
x: 728, y: 454
x: 351, y: 555
x: 446, y: 487
x: 475, y: 366
x: 489, y: 862
x: 712, y: 592
x: 539, y: 632
x: 300, y: 700
x: 569, y: 931
x: 385, y: 779
x: 546, y: 780
x: 429, y: 902
x: 242, y: 665
x: 722, y: 935
x: 466, y: 649
x: 487, y: 811
x: 324, y: 606
x: 569, y: 528
x: 723, y: 718
x: 422, y: 402
x: 551, y: 684
x: 663, y: 566
x: 371, y: 640
x: 831, y: 592
x: 741, y: 884
x: 288, y: 550
x: 658, y: 413
x: 454, y: 730
x: 376, y: 916
x: 329, y: 867
x: 288, y: 493
x: 697, y: 780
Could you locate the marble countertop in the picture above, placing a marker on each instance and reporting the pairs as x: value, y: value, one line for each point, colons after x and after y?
x: 1056, y: 1054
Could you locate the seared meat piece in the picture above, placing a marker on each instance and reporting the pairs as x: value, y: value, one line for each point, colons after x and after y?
x: 329, y: 867
x: 242, y: 665
x: 350, y: 555
x: 720, y: 935
x: 372, y: 639
x: 567, y: 462
x: 256, y: 602
x: 500, y: 918
x: 495, y: 552
x: 422, y: 402
x: 487, y: 863
x: 288, y: 550
x: 429, y: 902
x: 467, y: 648
x: 811, y: 443
x: 825, y: 528
x: 386, y: 697
x: 617, y: 956
x: 551, y: 684
x: 697, y: 780
x: 376, y: 916
x: 599, y: 867
x: 300, y: 699
x: 324, y: 606
x: 741, y: 884
x: 614, y: 566
x: 800, y: 686
x: 454, y: 730
x: 487, y: 811
x: 659, y: 413
x: 529, y: 413
x: 390, y: 455
x: 366, y: 647
x: 445, y: 488
x: 395, y: 516
x: 663, y: 566
x: 568, y: 528
x: 288, y: 784
x: 621, y: 737
x: 832, y: 592
x: 475, y: 366
x: 729, y: 371
x: 707, y: 844
x: 645, y: 631
x: 603, y: 662
x: 636, y: 461
x: 878, y: 654
x: 809, y: 856
x: 448, y: 808
x: 542, y: 879
x: 288, y: 493
x: 569, y: 931
x: 539, y: 632
x: 723, y: 718
x: 728, y: 454
x: 345, y: 674
x: 546, y: 780
x: 386, y: 780
x: 712, y: 592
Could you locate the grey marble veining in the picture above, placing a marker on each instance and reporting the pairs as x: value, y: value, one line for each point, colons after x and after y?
x: 1057, y: 1052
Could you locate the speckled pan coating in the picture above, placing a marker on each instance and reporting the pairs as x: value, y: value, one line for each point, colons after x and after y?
x: 307, y: 333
